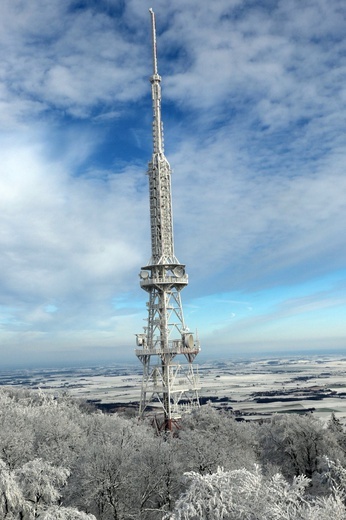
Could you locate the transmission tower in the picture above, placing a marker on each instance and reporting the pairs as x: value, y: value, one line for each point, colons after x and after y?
x: 169, y: 386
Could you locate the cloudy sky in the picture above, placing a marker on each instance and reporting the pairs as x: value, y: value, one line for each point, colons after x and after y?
x: 254, y: 109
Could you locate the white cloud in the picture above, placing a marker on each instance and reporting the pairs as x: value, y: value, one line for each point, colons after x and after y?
x: 70, y: 59
x: 65, y: 239
x: 254, y: 228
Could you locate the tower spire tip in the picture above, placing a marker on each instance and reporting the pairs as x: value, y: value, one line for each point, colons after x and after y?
x: 153, y: 30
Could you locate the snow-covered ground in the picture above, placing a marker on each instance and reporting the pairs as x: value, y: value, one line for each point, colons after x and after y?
x: 251, y: 387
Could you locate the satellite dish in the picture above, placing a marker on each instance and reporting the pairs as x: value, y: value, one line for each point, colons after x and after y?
x: 179, y: 271
x: 188, y: 340
x: 144, y: 275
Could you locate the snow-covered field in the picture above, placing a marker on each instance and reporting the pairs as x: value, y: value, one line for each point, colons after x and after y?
x: 253, y: 388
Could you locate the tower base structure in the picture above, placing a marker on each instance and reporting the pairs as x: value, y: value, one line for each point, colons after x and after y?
x: 169, y: 389
x: 167, y: 350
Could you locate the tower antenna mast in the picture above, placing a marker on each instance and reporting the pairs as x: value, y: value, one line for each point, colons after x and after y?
x: 153, y: 31
x: 169, y: 387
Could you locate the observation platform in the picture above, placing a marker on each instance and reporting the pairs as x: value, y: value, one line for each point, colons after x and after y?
x: 178, y: 347
x: 164, y: 281
x: 181, y: 385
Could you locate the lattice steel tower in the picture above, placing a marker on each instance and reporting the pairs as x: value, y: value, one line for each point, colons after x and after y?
x: 169, y: 387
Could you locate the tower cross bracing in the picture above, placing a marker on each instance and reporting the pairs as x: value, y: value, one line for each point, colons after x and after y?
x: 166, y: 347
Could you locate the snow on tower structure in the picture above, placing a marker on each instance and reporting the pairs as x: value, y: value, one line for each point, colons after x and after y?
x: 169, y: 386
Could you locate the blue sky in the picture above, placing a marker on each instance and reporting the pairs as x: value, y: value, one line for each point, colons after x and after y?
x: 254, y: 111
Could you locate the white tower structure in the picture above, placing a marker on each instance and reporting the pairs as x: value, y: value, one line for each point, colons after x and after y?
x: 169, y: 387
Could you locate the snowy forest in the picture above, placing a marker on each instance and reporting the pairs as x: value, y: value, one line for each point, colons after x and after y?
x: 61, y: 459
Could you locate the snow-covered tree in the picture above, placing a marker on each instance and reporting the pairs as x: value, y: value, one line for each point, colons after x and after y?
x: 157, y: 476
x: 104, y: 478
x: 210, y: 439
x: 16, y: 432
x: 337, y: 430
x: 40, y: 483
x: 57, y: 428
x: 119, y: 469
x: 248, y: 495
x: 32, y: 492
x: 296, y: 444
x: 64, y: 513
x: 11, y: 497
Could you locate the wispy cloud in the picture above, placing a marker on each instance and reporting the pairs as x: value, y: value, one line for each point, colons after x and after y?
x: 65, y: 58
